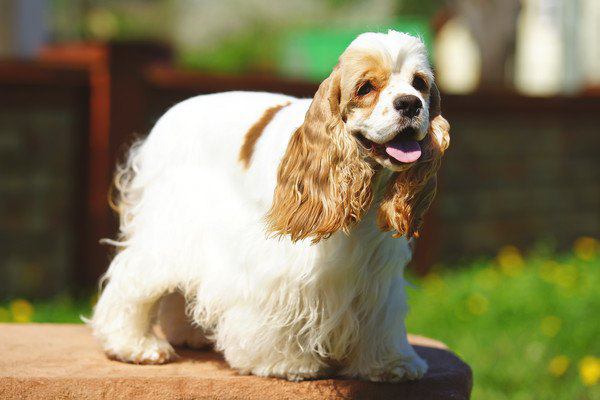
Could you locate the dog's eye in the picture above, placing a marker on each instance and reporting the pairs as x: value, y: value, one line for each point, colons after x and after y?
x: 365, y: 89
x: 419, y: 83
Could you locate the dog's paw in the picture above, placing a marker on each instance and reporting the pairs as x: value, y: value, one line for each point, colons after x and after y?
x: 410, y: 368
x: 303, y: 375
x: 293, y: 373
x: 150, y: 350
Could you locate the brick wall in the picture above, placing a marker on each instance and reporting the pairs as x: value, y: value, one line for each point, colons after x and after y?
x: 519, y: 175
x: 36, y: 161
x: 40, y: 180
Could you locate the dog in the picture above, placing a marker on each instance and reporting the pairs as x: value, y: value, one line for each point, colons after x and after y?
x: 277, y: 229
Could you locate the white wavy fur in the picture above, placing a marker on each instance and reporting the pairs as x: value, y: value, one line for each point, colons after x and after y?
x: 192, y: 222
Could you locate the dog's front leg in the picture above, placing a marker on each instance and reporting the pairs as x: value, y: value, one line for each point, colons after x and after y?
x: 384, y: 353
x: 254, y: 342
x: 401, y: 363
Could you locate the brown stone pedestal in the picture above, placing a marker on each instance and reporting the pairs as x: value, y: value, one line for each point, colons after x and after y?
x: 44, y: 361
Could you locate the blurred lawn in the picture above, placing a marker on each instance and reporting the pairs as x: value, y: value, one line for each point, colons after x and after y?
x: 529, y: 328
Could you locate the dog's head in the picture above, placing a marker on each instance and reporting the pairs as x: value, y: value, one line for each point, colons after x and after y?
x: 379, y: 108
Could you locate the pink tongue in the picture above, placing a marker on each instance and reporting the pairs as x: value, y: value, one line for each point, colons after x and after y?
x: 405, y: 151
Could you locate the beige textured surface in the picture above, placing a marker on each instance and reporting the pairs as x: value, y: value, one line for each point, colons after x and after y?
x: 43, y: 361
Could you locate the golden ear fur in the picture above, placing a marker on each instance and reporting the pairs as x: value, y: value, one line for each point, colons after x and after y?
x: 323, y: 182
x: 411, y: 192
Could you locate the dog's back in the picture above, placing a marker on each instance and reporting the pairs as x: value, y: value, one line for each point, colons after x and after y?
x: 196, y: 147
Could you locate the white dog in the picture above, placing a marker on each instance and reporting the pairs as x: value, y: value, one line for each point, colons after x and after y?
x: 271, y: 216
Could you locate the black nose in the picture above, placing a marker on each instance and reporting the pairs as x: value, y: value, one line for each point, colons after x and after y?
x: 409, y: 105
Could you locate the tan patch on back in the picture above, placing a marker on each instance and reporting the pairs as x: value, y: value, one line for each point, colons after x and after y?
x: 255, y: 131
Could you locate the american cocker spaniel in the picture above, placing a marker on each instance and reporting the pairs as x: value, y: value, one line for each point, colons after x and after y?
x: 277, y: 229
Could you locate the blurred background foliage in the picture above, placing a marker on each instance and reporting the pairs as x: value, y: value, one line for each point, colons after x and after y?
x: 539, y: 47
x: 242, y: 36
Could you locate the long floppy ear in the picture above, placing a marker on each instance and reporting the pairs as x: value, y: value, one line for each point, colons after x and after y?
x: 411, y: 192
x: 323, y: 182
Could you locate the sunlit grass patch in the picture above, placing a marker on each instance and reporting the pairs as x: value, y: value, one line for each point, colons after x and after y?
x: 529, y: 326
x: 63, y: 309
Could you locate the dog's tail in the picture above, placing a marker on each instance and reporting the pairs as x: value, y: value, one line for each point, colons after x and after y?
x: 125, y: 193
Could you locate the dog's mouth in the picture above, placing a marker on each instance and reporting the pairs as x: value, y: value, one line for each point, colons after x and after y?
x: 402, y: 149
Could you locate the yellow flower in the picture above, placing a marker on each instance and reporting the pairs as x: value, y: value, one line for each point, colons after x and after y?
x: 566, y: 276
x: 510, y: 260
x: 434, y: 282
x: 586, y: 248
x: 22, y: 310
x: 488, y: 278
x: 4, y: 315
x: 589, y: 370
x: 477, y: 304
x: 551, y: 325
x: 558, y: 366
x: 548, y: 270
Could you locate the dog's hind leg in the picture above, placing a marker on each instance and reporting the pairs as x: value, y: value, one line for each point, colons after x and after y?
x: 176, y: 324
x: 125, y: 311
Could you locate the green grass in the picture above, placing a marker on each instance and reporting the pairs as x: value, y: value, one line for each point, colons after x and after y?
x: 526, y: 326
x: 509, y: 319
x: 61, y: 309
